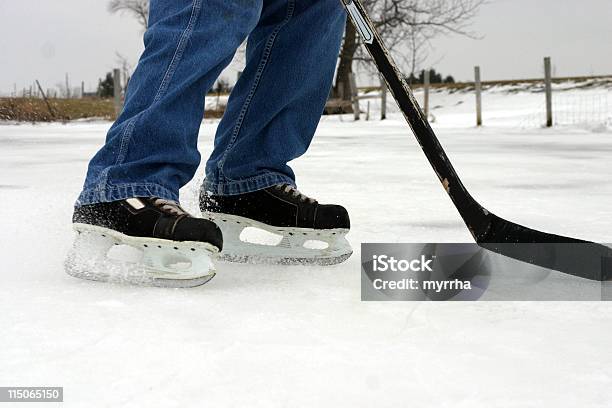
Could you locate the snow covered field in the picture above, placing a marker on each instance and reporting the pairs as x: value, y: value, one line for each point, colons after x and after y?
x: 300, y: 336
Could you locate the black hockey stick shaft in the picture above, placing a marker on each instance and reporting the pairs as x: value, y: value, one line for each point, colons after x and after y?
x: 470, y: 210
x: 569, y: 255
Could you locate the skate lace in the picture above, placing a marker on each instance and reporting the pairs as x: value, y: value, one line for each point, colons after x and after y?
x: 289, y: 189
x: 169, y: 207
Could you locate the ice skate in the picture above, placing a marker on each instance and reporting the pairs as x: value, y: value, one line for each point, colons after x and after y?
x: 143, y: 241
x: 279, y: 225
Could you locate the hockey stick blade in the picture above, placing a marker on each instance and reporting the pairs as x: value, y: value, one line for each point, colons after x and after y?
x: 569, y: 255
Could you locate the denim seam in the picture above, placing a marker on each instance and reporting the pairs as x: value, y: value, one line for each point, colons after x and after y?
x: 103, y: 190
x: 103, y: 182
x: 238, y: 186
x: 126, y: 135
x: 260, y: 69
x: 180, y: 50
x: 125, y: 139
x: 123, y: 185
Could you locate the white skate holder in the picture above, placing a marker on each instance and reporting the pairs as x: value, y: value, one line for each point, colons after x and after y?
x: 249, y: 241
x: 105, y: 255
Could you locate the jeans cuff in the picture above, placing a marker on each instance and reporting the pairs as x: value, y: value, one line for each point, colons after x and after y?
x: 235, y: 187
x: 118, y: 192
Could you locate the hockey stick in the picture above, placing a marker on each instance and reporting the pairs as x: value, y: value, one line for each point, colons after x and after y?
x: 568, y: 255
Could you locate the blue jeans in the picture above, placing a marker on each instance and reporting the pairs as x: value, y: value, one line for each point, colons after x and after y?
x: 272, y: 113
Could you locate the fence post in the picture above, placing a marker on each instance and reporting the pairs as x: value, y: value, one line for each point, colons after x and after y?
x: 383, y: 99
x: 68, y: 92
x: 478, y: 86
x: 117, y: 91
x: 548, y: 87
x: 426, y: 93
x: 354, y: 95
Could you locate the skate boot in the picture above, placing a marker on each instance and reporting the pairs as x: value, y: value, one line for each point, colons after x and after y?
x: 144, y: 241
x: 279, y: 225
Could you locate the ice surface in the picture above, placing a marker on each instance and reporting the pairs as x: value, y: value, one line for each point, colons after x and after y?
x: 299, y: 336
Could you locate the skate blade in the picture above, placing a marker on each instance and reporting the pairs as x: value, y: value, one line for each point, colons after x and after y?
x: 270, y: 260
x: 105, y: 255
x: 291, y: 247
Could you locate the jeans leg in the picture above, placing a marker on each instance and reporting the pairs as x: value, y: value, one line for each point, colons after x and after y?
x: 274, y: 110
x: 151, y: 150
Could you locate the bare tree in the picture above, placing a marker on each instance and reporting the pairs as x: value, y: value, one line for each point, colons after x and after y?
x: 126, y: 68
x: 418, y: 49
x: 222, y: 86
x: 137, y: 8
x: 405, y: 25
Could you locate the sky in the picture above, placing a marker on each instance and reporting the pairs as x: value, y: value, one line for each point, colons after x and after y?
x: 45, y: 39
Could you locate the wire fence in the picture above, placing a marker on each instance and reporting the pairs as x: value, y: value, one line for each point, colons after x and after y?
x: 590, y: 109
x: 574, y: 101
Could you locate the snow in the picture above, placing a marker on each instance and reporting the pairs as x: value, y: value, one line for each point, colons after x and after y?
x: 300, y: 336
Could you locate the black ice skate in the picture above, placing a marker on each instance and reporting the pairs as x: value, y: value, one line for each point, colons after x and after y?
x: 147, y: 241
x: 298, y: 230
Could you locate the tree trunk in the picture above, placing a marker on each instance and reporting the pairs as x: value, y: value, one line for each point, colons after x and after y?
x: 345, y: 68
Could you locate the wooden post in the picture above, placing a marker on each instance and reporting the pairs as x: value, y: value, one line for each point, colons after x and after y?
x: 354, y: 96
x: 548, y: 88
x: 426, y: 93
x: 117, y: 91
x: 383, y: 99
x: 82, y: 89
x: 478, y: 86
x: 67, y: 87
x: 45, y: 99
